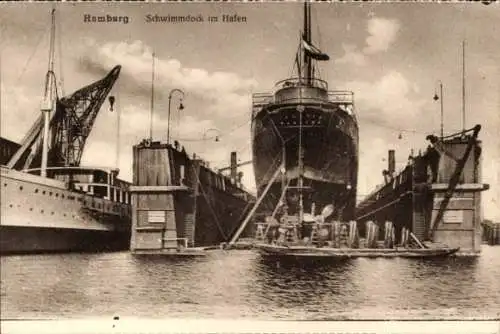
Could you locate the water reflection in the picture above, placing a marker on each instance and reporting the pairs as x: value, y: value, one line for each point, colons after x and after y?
x: 235, y: 284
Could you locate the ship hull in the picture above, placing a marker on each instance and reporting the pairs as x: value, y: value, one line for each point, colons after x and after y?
x: 41, y: 215
x: 32, y: 240
x: 329, y: 143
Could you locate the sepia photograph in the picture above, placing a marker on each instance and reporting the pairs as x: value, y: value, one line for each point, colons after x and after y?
x: 250, y: 167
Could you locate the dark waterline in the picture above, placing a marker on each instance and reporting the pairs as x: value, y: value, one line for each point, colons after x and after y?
x: 239, y: 284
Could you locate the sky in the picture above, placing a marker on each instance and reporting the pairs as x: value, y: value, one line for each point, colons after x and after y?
x: 391, y: 55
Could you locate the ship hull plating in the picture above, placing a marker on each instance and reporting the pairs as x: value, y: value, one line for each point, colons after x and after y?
x: 42, y: 215
x: 329, y: 143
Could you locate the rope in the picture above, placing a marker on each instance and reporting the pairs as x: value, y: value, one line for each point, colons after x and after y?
x: 31, y: 56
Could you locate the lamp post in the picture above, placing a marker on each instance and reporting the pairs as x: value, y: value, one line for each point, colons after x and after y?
x: 440, y: 97
x: 181, y: 106
x: 211, y: 129
x: 205, y: 137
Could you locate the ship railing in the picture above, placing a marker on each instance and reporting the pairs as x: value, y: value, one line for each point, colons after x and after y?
x: 261, y: 99
x: 341, y: 96
x: 334, y: 96
x: 301, y: 82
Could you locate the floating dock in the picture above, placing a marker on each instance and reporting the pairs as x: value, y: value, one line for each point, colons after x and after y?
x: 180, y: 205
x: 437, y: 196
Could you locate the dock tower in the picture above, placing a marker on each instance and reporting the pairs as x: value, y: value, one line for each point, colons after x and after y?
x: 179, y: 202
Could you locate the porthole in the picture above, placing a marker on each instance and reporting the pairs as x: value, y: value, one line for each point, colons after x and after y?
x: 52, y: 213
x: 5, y: 184
x: 43, y: 192
x: 31, y: 209
x: 62, y: 196
x: 57, y: 194
x: 50, y: 193
x: 20, y: 187
x: 41, y: 211
x: 11, y: 205
x: 36, y: 190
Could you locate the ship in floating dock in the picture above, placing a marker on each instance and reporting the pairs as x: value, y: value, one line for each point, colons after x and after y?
x: 180, y: 205
x: 430, y: 209
x: 49, y: 201
x: 312, y: 133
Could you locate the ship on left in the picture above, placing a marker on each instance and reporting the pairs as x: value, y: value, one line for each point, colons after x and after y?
x: 49, y: 202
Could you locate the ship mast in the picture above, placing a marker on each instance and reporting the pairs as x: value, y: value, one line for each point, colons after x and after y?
x: 308, y: 76
x: 307, y: 38
x: 48, y: 100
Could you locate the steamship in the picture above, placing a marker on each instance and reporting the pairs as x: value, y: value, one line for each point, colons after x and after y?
x: 50, y: 203
x: 311, y: 133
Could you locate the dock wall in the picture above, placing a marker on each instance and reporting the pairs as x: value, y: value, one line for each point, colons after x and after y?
x: 179, y: 202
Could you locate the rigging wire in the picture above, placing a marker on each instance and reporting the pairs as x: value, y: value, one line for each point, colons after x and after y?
x: 28, y: 61
x: 209, y: 205
x: 59, y: 46
x: 222, y: 134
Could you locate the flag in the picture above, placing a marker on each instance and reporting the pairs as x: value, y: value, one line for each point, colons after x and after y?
x: 314, y: 52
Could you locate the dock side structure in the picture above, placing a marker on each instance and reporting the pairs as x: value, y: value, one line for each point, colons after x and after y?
x: 179, y: 203
x: 437, y: 196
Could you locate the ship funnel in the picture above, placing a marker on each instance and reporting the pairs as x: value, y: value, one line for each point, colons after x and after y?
x: 234, y: 163
x: 392, y: 162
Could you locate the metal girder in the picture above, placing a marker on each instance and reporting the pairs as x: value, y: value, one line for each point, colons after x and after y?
x: 70, y: 127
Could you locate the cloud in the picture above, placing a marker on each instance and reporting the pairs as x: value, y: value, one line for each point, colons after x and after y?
x: 383, y: 33
x: 388, y: 100
x: 351, y: 55
x: 222, y: 92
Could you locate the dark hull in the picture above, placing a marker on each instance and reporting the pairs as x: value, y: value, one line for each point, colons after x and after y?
x: 330, y: 154
x: 218, y: 214
x: 29, y: 240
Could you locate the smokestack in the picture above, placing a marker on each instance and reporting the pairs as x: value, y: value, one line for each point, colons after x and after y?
x: 234, y: 167
x: 392, y: 163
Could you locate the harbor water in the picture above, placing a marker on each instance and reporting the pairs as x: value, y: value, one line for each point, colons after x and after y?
x: 239, y: 284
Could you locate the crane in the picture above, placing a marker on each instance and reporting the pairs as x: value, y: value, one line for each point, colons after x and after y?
x: 70, y: 126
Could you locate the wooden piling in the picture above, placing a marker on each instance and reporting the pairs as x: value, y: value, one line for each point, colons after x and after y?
x: 389, y: 235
